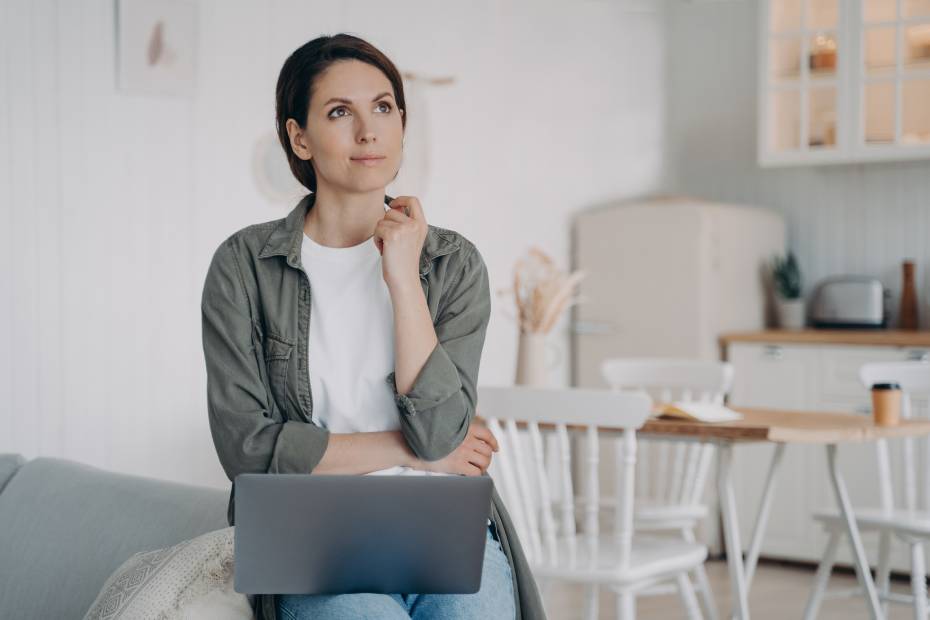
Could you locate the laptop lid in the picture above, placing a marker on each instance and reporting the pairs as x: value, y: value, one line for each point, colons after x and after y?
x: 336, y: 534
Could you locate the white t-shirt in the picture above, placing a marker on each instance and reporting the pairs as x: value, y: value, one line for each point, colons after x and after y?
x: 351, y: 348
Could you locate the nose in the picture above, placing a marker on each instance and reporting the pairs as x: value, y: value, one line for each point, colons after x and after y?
x: 365, y: 132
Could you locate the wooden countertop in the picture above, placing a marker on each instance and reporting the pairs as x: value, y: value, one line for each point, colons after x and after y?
x: 787, y: 427
x: 865, y: 337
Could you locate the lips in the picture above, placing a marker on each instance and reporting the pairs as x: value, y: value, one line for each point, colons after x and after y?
x: 369, y: 161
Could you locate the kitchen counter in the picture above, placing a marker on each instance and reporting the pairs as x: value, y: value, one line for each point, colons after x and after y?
x: 864, y: 337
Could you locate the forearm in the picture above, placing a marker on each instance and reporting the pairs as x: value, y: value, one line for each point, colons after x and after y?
x: 414, y: 334
x: 362, y: 453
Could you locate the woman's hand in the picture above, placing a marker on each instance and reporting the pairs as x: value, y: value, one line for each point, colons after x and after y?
x: 399, y: 237
x: 471, y: 458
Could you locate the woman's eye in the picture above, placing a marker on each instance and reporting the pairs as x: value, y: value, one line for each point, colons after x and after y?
x: 342, y: 107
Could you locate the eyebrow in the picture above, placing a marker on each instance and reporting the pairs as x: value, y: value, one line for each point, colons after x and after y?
x: 343, y: 100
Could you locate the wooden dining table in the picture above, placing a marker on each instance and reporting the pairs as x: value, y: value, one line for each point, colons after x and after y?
x: 780, y: 428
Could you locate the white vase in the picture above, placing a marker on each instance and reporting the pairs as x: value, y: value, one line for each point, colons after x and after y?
x: 532, y: 365
x: 791, y: 313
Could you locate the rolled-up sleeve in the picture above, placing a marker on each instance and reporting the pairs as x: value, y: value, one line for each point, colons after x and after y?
x: 246, y: 436
x: 436, y: 412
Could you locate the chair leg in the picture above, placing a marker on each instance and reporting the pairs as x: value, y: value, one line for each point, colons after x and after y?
x: 692, y: 608
x: 919, y: 581
x: 590, y: 601
x: 626, y: 605
x: 703, y: 584
x: 822, y: 576
x: 883, y: 573
x: 707, y: 596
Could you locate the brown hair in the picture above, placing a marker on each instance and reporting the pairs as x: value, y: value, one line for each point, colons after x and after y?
x: 296, y: 82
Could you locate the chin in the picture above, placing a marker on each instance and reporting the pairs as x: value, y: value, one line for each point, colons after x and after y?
x: 372, y: 183
x: 365, y: 187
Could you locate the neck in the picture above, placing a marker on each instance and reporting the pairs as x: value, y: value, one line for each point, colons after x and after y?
x: 341, y: 220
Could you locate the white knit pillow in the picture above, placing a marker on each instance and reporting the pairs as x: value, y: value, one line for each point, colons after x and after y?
x: 192, y: 579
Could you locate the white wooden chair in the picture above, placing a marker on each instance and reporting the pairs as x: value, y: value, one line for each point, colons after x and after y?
x: 672, y: 475
x: 906, y: 520
x: 522, y: 418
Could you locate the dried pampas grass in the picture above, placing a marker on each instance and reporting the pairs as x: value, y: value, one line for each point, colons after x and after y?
x: 541, y: 291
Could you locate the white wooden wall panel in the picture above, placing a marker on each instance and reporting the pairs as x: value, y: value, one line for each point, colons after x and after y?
x: 112, y: 204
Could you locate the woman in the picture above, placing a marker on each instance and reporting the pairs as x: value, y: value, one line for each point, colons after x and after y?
x: 383, y: 378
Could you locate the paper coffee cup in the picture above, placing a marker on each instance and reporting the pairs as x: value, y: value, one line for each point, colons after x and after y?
x: 886, y: 404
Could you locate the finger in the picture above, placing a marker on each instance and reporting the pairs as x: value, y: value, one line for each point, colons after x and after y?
x: 411, y: 206
x: 401, y: 203
x: 386, y: 229
x: 396, y: 215
x: 480, y: 460
x: 471, y: 470
x: 484, y: 434
x: 479, y: 446
x: 416, y: 210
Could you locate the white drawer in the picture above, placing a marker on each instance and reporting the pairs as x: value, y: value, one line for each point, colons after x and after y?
x: 773, y: 376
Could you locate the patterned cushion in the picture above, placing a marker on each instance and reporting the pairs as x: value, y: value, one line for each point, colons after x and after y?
x: 192, y: 579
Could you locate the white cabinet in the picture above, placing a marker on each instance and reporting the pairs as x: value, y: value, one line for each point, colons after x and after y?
x: 806, y: 377
x: 843, y: 81
x: 762, y: 374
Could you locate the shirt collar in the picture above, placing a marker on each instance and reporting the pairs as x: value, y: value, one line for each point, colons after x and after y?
x: 287, y: 236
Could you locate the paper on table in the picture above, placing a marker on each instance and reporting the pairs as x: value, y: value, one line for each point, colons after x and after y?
x: 699, y: 411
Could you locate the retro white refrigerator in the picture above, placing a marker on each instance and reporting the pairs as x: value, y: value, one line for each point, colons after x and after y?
x: 665, y: 277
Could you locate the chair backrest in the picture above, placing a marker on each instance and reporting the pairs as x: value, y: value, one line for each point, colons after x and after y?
x: 671, y: 472
x: 914, y: 487
x: 519, y: 468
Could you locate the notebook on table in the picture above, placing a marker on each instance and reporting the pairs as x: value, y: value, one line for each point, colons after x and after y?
x: 698, y: 411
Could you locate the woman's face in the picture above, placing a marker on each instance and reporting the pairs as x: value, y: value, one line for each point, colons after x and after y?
x: 352, y: 114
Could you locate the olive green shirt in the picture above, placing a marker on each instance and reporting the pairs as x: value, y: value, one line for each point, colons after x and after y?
x: 256, y: 317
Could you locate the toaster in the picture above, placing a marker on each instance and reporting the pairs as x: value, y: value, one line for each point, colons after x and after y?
x: 846, y: 302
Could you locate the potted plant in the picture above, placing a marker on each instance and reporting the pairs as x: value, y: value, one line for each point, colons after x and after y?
x: 787, y: 277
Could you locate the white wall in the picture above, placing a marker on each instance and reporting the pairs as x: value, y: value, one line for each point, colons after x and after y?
x: 112, y: 204
x: 854, y: 218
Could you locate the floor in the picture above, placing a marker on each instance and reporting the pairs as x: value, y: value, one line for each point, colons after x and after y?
x: 778, y: 591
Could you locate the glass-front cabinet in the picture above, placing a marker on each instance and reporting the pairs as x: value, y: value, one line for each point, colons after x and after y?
x: 844, y: 81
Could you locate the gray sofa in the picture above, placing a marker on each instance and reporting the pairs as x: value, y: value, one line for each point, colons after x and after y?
x: 66, y: 526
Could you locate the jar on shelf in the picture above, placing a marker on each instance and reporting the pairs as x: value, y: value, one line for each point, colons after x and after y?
x: 823, y: 53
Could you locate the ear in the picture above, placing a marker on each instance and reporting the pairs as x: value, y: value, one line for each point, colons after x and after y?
x: 296, y: 136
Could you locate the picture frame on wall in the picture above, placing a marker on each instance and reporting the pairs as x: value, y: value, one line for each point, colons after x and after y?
x: 156, y: 45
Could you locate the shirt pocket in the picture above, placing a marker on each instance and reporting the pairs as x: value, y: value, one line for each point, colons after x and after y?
x: 278, y: 353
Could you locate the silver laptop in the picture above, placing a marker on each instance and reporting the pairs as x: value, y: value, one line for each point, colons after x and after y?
x: 327, y: 534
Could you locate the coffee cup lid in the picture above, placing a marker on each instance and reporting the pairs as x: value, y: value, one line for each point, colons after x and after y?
x: 886, y: 386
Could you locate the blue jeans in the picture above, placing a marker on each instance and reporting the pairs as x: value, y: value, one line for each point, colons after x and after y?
x: 493, y: 600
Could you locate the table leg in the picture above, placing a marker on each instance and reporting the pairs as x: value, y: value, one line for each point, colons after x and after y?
x: 852, y: 529
x: 731, y: 531
x: 762, y: 517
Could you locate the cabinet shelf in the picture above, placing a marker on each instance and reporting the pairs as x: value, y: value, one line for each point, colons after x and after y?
x: 843, y: 81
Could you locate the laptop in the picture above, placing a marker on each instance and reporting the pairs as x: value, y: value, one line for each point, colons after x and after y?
x: 338, y: 534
